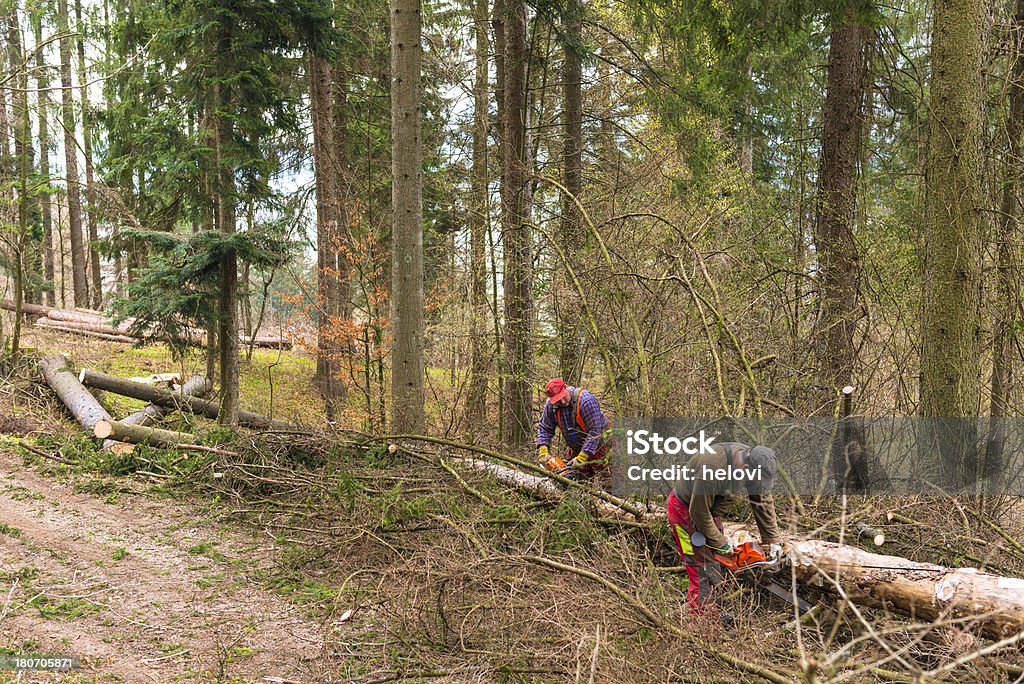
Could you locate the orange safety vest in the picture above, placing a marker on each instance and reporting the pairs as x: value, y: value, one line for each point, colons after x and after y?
x: 573, y: 408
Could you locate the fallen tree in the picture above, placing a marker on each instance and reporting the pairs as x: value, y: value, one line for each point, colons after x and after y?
x: 162, y: 397
x: 124, y: 339
x: 82, y: 405
x: 195, y: 387
x: 138, y: 434
x: 991, y: 605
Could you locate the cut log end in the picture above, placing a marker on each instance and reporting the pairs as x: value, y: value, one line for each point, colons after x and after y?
x: 102, y: 429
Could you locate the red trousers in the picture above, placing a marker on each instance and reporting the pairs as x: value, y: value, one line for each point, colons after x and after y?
x: 701, y: 567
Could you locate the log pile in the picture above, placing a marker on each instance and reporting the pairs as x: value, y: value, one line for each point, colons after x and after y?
x: 120, y: 435
x: 88, y: 323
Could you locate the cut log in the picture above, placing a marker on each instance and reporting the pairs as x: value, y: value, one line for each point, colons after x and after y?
x: 139, y: 434
x: 86, y: 333
x: 26, y: 308
x: 993, y: 604
x: 88, y: 320
x: 162, y: 397
x: 91, y: 326
x: 195, y: 387
x: 82, y: 405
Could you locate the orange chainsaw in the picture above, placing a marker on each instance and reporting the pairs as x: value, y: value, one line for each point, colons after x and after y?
x: 556, y: 465
x: 745, y: 557
x: 748, y: 555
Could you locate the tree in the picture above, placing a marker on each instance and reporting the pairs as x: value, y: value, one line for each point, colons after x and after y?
x: 1008, y: 252
x: 96, y: 279
x: 479, y: 224
x: 571, y: 336
x: 78, y: 259
x: 838, y: 263
x: 517, y: 247
x: 326, y: 171
x: 407, y: 220
x: 46, y: 201
x: 951, y: 297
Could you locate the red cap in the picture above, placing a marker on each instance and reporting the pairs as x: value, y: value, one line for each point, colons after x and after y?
x: 556, y: 390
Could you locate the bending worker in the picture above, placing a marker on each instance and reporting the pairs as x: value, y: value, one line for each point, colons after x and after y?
x: 696, y: 504
x: 586, y: 430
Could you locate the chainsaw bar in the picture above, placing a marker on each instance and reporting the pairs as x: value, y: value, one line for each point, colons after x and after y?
x: 790, y: 597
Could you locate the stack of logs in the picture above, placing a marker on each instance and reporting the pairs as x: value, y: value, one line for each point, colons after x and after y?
x: 137, y: 428
x: 90, y: 323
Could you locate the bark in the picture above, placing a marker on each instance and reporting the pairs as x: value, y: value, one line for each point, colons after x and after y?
x: 96, y: 279
x: 407, y: 220
x: 951, y: 297
x: 45, y: 201
x: 838, y: 261
x: 922, y: 590
x: 124, y: 339
x: 326, y: 176
x: 518, y: 283
x: 227, y: 333
x: 195, y: 387
x: 87, y: 330
x: 162, y: 397
x: 571, y: 333
x: 82, y: 405
x: 22, y: 258
x: 78, y: 258
x: 109, y: 429
x: 479, y: 223
x: 1008, y: 250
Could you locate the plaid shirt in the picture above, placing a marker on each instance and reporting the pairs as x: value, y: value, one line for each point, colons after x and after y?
x: 552, y: 416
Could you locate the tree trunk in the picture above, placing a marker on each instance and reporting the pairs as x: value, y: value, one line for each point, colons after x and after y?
x: 82, y: 405
x: 479, y: 224
x: 325, y: 169
x: 78, y: 259
x: 22, y: 257
x: 96, y: 281
x: 407, y: 220
x: 951, y: 297
x: 173, y: 400
x: 45, y: 200
x: 227, y: 333
x: 518, y: 283
x: 138, y: 434
x: 571, y: 335
x: 926, y: 591
x: 195, y: 387
x: 64, y: 328
x: 838, y: 262
x: 1007, y: 257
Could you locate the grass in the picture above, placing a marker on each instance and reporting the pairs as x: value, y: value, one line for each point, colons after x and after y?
x: 208, y: 550
x: 64, y: 609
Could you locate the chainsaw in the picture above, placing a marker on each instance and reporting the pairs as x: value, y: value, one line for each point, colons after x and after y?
x: 556, y: 465
x: 745, y: 557
x: 749, y: 561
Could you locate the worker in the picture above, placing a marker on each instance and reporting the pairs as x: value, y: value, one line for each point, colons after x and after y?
x: 586, y: 430
x: 697, y: 502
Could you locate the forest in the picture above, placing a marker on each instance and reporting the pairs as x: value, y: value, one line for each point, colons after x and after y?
x: 303, y: 301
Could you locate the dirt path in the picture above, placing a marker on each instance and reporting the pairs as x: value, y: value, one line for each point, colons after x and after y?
x: 141, y: 589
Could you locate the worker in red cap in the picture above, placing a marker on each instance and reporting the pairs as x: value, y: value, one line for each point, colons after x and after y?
x: 586, y: 430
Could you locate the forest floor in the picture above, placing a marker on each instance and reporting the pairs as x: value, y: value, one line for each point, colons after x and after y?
x: 330, y: 558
